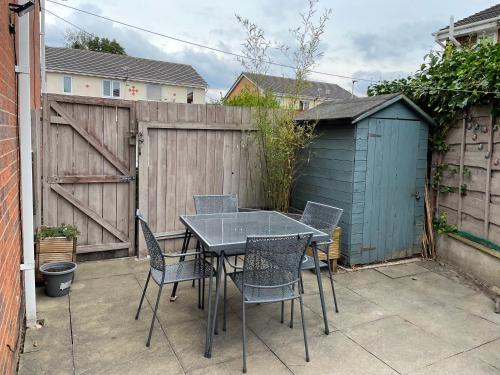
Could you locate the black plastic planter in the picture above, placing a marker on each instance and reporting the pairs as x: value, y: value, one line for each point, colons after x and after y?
x: 58, y: 277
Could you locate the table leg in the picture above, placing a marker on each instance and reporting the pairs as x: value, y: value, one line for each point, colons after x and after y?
x: 185, y: 244
x: 320, y: 286
x: 207, y: 335
x: 216, y: 303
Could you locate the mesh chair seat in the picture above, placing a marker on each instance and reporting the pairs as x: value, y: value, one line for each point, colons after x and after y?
x: 183, y: 271
x: 263, y: 295
x: 308, y: 263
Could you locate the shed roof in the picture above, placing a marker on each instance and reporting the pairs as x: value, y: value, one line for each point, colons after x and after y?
x: 356, y: 109
x: 108, y: 65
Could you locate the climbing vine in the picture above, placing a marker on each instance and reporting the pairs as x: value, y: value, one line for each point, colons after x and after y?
x: 447, y: 82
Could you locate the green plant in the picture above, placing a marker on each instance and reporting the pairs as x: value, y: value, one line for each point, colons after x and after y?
x: 466, y: 172
x: 449, y: 81
x: 283, y: 142
x: 441, y: 225
x: 64, y: 230
x: 447, y: 189
x: 83, y: 40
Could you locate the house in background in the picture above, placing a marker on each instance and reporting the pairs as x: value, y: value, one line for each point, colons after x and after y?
x: 313, y: 94
x: 481, y: 25
x: 105, y: 75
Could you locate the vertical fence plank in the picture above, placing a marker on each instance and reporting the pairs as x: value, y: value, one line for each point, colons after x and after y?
x: 461, y: 167
x: 487, y: 195
x: 96, y: 167
x: 81, y: 166
x: 122, y: 189
x: 109, y: 189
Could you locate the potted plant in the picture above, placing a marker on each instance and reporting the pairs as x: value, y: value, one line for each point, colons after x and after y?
x: 55, y: 244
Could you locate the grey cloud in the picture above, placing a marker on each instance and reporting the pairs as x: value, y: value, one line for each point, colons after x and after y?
x: 219, y: 71
x: 405, y: 39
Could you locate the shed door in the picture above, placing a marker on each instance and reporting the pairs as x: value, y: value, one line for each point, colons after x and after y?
x: 389, y: 218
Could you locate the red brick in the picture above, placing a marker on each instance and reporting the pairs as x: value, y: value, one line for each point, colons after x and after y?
x: 11, y: 297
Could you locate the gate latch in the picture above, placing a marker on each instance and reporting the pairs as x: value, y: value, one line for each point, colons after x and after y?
x: 126, y: 178
x: 416, y: 195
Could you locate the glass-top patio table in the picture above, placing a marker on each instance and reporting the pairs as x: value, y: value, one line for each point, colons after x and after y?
x: 226, y: 234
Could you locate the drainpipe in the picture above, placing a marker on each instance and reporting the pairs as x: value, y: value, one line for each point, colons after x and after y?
x: 451, y: 33
x: 42, y: 47
x: 23, y: 71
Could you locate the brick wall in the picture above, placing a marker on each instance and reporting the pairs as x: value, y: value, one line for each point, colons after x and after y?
x: 11, y: 295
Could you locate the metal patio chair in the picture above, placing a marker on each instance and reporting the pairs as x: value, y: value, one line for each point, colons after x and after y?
x: 270, y: 273
x: 324, y: 218
x: 203, y: 205
x: 161, y: 273
x: 215, y: 204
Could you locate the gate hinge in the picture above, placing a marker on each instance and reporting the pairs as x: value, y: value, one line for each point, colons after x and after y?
x: 374, y: 135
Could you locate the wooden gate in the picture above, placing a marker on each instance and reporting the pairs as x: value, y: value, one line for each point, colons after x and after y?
x: 89, y: 170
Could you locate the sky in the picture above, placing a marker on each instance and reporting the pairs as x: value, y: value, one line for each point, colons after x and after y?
x: 368, y: 39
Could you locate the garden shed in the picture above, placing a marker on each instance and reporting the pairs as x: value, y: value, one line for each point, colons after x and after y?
x: 369, y: 158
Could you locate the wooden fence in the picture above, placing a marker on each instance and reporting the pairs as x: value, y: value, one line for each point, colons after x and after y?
x: 90, y: 152
x: 470, y: 182
x: 186, y: 150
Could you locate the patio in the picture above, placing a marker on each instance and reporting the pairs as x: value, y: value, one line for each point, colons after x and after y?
x: 419, y: 317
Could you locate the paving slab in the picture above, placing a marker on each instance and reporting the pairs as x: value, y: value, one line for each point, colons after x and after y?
x: 359, y: 277
x: 332, y: 354
x: 479, y: 304
x: 461, y: 364
x: 47, y: 362
x: 264, y: 321
x: 260, y: 363
x: 188, y: 342
x: 103, y: 268
x: 99, y: 355
x: 401, y: 270
x: 489, y: 353
x: 436, y: 286
x: 400, y: 344
x: 393, y: 296
x: 457, y: 327
x: 350, y: 314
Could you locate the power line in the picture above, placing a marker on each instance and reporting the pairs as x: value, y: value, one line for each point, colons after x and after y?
x: 70, y: 23
x: 234, y: 54
x: 240, y: 56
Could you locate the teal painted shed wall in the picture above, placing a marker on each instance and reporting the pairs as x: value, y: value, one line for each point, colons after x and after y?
x: 371, y: 169
x: 327, y: 178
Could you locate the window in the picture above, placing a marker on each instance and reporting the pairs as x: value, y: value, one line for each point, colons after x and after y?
x: 67, y: 83
x: 190, y: 95
x: 110, y: 89
x: 303, y: 105
x: 153, y: 92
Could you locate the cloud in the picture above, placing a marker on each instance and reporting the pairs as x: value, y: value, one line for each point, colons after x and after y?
x: 406, y: 39
x: 218, y: 70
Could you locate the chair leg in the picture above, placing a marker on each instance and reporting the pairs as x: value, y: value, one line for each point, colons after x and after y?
x: 244, y: 335
x: 282, y: 312
x: 142, y: 297
x: 225, y: 304
x: 304, y: 327
x: 301, y: 284
x: 331, y: 283
x: 196, y: 257
x: 291, y: 313
x: 154, y: 316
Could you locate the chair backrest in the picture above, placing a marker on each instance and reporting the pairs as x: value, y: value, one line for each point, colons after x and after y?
x: 321, y: 217
x: 274, y: 260
x: 215, y: 204
x: 156, y: 259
